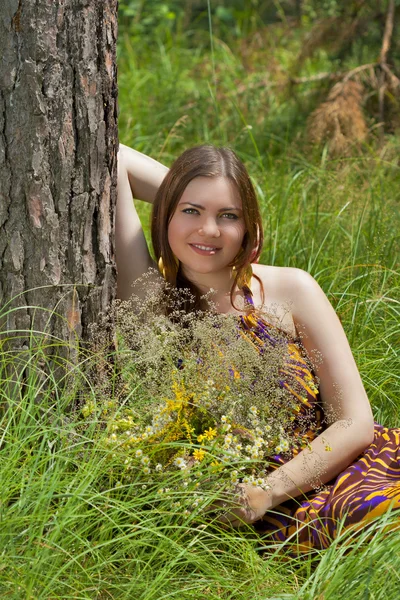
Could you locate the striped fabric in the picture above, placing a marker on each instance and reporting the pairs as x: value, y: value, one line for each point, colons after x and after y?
x: 369, y: 487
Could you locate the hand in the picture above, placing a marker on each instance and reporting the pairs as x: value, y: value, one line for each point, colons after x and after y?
x: 250, y: 505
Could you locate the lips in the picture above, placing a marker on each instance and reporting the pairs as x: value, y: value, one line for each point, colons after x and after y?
x: 205, y: 249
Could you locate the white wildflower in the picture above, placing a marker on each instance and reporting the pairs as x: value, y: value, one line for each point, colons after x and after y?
x: 180, y: 462
x: 228, y: 441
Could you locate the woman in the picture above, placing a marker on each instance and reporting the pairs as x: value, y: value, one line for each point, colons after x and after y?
x: 207, y: 233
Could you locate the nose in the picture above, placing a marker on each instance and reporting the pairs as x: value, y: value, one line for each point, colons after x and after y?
x: 210, y: 228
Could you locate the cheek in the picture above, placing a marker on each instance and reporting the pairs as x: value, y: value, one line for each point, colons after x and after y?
x: 237, y: 233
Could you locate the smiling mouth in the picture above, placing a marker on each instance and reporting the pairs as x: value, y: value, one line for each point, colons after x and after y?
x: 204, y: 249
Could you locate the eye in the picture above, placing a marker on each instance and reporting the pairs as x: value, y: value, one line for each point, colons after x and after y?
x: 190, y: 211
x: 231, y: 216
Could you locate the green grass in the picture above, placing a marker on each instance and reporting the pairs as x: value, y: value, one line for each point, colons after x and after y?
x: 67, y: 532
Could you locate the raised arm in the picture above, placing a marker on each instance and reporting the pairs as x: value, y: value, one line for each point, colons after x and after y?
x: 139, y: 176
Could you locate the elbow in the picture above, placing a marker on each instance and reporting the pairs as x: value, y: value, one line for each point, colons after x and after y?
x: 370, y: 429
x: 365, y: 432
x: 360, y: 432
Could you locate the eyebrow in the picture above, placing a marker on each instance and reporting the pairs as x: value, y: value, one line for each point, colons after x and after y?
x: 220, y: 210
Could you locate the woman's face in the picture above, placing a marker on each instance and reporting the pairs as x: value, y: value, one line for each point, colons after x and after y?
x: 207, y: 228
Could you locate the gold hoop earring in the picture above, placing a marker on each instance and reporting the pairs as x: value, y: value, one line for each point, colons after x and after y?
x: 161, y: 267
x: 164, y: 272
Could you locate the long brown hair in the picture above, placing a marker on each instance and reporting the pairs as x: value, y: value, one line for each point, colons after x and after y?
x: 205, y: 161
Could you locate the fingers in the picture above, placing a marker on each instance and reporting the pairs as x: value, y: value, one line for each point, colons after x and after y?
x: 233, y: 512
x: 236, y: 517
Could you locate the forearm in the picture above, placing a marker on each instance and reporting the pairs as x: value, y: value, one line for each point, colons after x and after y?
x: 328, y: 455
x: 132, y: 255
x: 145, y: 174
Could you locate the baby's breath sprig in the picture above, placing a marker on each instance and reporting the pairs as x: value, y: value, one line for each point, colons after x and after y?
x: 196, y: 395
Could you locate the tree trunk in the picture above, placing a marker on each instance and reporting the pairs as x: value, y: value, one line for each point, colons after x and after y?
x: 299, y: 9
x: 58, y: 143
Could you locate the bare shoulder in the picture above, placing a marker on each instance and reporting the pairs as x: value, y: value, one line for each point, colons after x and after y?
x: 286, y: 291
x: 275, y: 298
x: 284, y: 283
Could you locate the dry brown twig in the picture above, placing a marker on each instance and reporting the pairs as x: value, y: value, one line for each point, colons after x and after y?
x: 387, y: 36
x: 339, y: 121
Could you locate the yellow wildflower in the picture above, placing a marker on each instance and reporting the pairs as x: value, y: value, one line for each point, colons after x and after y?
x: 189, y: 429
x: 172, y: 405
x: 199, y: 455
x: 88, y: 409
x: 210, y: 434
x: 216, y: 466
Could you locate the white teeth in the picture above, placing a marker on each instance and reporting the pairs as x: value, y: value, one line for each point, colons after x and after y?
x: 204, y: 247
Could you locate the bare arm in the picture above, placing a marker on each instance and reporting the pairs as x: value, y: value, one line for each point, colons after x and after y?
x: 144, y: 173
x: 343, y: 397
x: 139, y: 176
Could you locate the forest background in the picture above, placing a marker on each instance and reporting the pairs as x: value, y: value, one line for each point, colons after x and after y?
x: 307, y: 93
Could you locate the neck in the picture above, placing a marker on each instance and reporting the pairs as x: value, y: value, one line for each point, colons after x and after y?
x: 221, y: 281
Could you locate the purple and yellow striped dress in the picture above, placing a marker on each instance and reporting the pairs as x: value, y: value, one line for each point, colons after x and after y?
x: 369, y: 487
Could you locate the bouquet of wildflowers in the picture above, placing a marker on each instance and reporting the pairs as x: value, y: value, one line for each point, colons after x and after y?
x: 202, y: 400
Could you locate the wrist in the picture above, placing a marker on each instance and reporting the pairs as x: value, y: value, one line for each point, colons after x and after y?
x: 261, y: 500
x: 274, y: 492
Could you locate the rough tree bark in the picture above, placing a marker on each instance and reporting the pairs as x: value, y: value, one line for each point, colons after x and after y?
x: 58, y: 143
